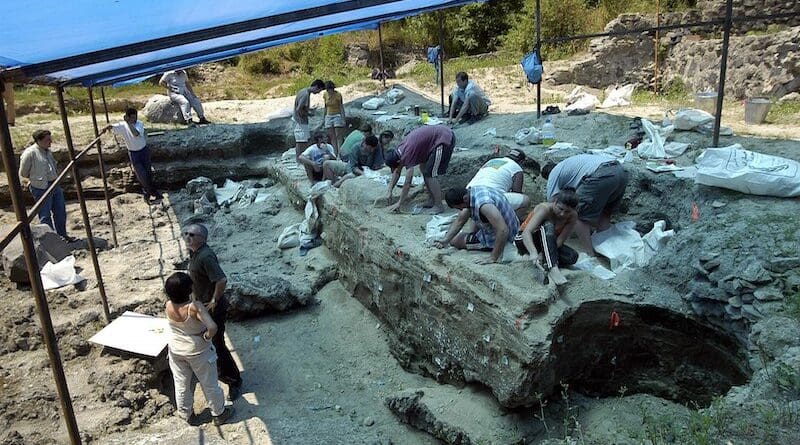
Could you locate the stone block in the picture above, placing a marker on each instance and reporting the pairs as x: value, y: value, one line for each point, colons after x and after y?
x: 48, y: 244
x: 160, y: 109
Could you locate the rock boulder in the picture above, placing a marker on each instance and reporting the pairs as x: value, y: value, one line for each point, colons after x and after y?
x: 160, y: 109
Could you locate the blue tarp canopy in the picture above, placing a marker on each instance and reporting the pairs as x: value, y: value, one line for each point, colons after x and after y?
x: 90, y: 43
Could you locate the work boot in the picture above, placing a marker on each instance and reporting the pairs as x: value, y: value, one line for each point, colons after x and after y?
x: 225, y: 416
x: 203, y: 121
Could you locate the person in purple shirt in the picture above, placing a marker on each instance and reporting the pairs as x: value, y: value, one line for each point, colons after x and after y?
x: 430, y: 148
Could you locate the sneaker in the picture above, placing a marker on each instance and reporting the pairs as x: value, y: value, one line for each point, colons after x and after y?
x: 234, y: 392
x: 224, y: 417
x: 203, y: 121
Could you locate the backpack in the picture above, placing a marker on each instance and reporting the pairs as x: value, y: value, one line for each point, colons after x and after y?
x: 532, y: 65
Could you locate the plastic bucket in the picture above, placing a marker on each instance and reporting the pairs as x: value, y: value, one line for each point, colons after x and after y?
x: 756, y: 109
x: 706, y: 102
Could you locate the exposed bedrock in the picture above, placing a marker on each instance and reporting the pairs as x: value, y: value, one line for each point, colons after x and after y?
x: 460, y: 322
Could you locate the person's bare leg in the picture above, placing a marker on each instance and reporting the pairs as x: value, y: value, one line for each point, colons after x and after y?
x: 339, y: 137
x: 299, y: 148
x: 334, y: 141
x: 435, y: 191
x: 308, y: 164
x: 327, y: 171
x: 604, y: 222
x: 459, y: 241
x: 584, y: 232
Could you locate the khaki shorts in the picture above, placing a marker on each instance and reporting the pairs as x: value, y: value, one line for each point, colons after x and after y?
x: 339, y: 168
x: 301, y: 133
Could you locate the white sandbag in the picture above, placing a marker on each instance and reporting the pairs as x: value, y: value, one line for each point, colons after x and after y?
x: 748, y: 172
x: 581, y: 100
x: 394, y: 95
x: 290, y: 237
x: 60, y: 274
x: 689, y: 118
x: 618, y: 96
x: 437, y: 227
x: 528, y: 136
x: 626, y: 249
x: 653, y: 145
x: 592, y: 265
x: 374, y: 103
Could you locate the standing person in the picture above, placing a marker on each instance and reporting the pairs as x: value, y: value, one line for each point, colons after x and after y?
x: 180, y: 92
x: 8, y: 95
x: 334, y: 116
x: 208, y: 288
x: 504, y: 174
x: 132, y: 130
x: 430, y: 147
x: 467, y: 101
x: 37, y: 171
x: 544, y: 231
x: 302, y: 104
x: 494, y: 219
x: 315, y: 156
x: 191, y: 353
x: 599, y: 181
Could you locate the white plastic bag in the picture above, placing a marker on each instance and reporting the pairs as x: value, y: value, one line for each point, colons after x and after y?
x: 290, y: 237
x: 689, y: 118
x: 60, y: 274
x: 438, y: 226
x: 653, y: 145
x: 394, y: 95
x: 528, y: 135
x: 374, y: 103
x: 626, y: 249
x: 748, y: 172
x: 618, y: 96
x: 581, y: 100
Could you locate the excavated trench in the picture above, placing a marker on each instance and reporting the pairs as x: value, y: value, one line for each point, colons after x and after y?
x: 607, y: 348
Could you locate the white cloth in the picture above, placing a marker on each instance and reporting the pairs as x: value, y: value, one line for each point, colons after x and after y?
x: 496, y: 173
x: 301, y: 132
x: 134, y: 143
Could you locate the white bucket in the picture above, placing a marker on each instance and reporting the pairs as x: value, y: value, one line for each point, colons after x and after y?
x: 706, y: 102
x: 756, y: 109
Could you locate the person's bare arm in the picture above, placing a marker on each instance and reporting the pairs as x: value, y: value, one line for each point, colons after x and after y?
x: 404, y: 190
x: 516, y: 182
x: 500, y: 227
x: 201, y: 313
x: 458, y: 224
x: 219, y: 289
x: 393, y: 183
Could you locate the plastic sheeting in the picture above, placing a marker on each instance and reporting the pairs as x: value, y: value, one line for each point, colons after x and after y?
x: 81, y: 42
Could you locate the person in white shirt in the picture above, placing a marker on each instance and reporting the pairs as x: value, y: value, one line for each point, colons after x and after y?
x: 314, y: 156
x: 181, y: 93
x: 132, y: 130
x: 504, y: 174
x: 468, y: 102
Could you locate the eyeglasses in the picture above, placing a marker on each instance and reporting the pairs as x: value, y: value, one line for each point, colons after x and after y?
x: 190, y: 234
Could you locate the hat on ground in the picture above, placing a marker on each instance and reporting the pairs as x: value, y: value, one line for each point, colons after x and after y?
x: 392, y: 158
x: 516, y: 155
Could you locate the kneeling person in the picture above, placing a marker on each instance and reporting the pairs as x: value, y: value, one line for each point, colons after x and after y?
x: 495, y: 221
x: 544, y: 231
x: 504, y: 174
x: 353, y: 163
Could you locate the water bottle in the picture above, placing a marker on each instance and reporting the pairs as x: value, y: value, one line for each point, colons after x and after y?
x: 548, y: 133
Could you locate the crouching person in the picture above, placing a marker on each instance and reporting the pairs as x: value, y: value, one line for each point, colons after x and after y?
x: 495, y: 221
x: 191, y: 353
x: 544, y: 231
x: 314, y: 156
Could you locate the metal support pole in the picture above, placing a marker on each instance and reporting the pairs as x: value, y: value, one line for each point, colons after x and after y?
x: 657, y: 46
x: 79, y: 189
x: 39, y: 297
x: 380, y: 52
x: 441, y: 58
x: 105, y: 105
x: 723, y: 68
x: 539, y: 47
x: 102, y: 166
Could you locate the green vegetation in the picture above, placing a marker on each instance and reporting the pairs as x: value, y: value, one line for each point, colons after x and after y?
x: 784, y: 113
